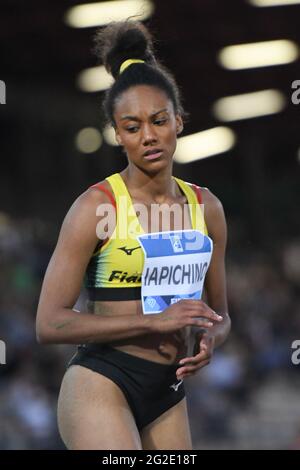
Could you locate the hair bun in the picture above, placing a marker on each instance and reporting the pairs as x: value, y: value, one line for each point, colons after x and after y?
x: 120, y: 41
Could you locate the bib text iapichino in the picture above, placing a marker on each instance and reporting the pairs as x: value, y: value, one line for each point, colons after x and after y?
x: 175, y: 266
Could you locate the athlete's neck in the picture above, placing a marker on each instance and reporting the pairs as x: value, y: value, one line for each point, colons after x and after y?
x: 158, y: 187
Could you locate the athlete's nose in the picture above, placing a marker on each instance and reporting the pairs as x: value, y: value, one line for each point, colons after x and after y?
x: 149, y: 136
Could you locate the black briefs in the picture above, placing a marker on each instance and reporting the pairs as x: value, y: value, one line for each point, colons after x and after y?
x: 150, y: 388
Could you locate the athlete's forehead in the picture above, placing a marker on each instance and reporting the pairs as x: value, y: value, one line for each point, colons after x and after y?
x: 142, y: 101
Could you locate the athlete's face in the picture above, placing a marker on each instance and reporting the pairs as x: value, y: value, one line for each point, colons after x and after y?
x: 147, y: 126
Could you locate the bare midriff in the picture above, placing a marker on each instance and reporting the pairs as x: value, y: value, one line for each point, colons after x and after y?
x: 163, y: 348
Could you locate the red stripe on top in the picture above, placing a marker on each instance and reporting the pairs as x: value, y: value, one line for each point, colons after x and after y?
x: 197, y: 190
x: 106, y: 191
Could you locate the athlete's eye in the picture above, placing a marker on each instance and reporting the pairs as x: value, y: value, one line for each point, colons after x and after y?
x: 160, y: 122
x: 132, y: 129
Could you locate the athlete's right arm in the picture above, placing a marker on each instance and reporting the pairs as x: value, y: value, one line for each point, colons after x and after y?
x: 58, y: 322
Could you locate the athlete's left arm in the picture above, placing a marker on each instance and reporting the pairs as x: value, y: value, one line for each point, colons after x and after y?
x: 215, y: 287
x: 215, y: 281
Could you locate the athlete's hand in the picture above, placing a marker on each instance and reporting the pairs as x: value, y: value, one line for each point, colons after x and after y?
x: 192, y: 364
x: 185, y: 313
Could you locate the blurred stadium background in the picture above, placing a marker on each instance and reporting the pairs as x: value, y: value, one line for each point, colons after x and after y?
x: 53, y: 146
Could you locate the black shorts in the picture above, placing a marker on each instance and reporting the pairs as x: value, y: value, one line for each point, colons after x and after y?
x: 150, y: 388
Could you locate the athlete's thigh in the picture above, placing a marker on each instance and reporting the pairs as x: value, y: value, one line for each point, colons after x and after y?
x: 93, y: 413
x: 171, y: 430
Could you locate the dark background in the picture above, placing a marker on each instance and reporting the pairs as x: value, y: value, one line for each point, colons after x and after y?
x: 250, y: 388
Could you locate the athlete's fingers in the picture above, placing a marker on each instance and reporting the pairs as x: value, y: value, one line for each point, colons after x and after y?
x: 202, y: 355
x: 192, y: 369
x: 201, y: 323
x: 207, y: 343
x: 205, y: 353
x: 207, y: 313
x: 184, y: 376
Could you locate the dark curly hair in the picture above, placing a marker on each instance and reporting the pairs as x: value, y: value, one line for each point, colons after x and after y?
x: 120, y: 41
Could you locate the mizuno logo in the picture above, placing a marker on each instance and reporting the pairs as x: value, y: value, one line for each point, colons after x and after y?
x: 128, y: 251
x: 176, y: 386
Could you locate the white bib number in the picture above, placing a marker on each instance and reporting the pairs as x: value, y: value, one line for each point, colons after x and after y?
x: 175, y: 266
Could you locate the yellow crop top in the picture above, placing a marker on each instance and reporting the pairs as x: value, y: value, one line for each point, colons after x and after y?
x: 115, y: 269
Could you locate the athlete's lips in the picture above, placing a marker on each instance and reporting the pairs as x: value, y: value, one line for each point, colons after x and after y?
x: 152, y: 153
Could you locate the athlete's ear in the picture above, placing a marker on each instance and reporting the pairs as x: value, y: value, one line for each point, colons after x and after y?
x: 118, y: 137
x: 179, y: 124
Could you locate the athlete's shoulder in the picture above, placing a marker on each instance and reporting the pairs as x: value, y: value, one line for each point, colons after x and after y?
x: 210, y: 199
x: 207, y: 196
x: 98, y: 190
x: 98, y: 193
x: 214, y: 215
x: 87, y: 203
